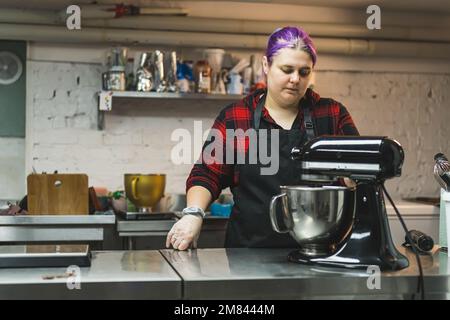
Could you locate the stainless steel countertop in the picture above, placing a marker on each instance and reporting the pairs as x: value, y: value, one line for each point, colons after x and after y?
x: 266, y: 274
x: 142, y: 227
x: 43, y: 228
x: 219, y: 274
x: 112, y: 275
x: 130, y: 226
x: 57, y: 219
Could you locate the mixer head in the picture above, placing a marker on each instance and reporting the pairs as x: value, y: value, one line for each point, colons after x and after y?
x: 357, y: 157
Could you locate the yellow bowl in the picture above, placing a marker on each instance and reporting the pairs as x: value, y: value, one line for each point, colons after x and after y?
x: 144, y: 190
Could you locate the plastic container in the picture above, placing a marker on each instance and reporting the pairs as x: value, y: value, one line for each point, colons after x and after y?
x: 235, y: 86
x: 221, y: 209
x: 444, y: 219
x: 442, y: 175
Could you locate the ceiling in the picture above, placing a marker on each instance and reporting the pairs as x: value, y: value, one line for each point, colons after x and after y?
x: 428, y: 6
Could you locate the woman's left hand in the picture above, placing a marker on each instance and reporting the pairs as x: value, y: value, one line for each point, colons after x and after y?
x: 349, y: 183
x: 184, y: 232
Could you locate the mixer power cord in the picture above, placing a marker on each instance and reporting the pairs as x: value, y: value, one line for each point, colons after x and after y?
x: 420, y: 285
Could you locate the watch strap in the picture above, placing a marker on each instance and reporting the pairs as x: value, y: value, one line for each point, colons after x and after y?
x: 196, y: 211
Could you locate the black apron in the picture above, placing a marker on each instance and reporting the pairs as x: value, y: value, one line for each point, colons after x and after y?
x: 249, y: 224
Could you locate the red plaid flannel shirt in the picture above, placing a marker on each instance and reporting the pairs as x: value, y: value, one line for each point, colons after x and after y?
x: 329, y: 116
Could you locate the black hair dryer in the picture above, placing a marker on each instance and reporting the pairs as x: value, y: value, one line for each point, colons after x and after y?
x: 420, y: 240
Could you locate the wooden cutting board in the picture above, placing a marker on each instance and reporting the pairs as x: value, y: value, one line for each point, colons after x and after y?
x: 58, y: 194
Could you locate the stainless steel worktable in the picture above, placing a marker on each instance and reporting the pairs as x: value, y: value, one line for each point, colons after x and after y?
x: 266, y: 274
x: 97, y: 230
x: 112, y: 275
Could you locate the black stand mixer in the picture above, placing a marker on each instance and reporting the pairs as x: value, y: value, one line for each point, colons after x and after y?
x: 369, y: 161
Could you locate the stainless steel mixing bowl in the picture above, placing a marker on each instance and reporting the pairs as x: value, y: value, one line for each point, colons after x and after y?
x: 320, y: 219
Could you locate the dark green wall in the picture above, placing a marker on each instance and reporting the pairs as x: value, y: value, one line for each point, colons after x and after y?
x: 12, y: 96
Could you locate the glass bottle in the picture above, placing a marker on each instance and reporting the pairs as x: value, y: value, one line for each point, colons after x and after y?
x: 202, y: 75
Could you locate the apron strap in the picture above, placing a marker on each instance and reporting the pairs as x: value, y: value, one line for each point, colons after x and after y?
x: 309, y: 124
x: 258, y: 112
x: 307, y: 119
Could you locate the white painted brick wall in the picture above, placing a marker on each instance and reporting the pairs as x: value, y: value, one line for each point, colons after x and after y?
x: 414, y: 109
x: 137, y: 138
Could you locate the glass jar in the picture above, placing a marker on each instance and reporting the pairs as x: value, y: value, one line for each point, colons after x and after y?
x: 202, y: 75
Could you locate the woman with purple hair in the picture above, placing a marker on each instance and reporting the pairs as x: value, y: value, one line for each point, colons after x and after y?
x: 293, y: 114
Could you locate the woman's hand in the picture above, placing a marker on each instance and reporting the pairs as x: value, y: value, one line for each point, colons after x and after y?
x: 184, y: 232
x: 349, y: 183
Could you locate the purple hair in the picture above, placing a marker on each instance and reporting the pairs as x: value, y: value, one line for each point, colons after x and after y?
x: 290, y: 37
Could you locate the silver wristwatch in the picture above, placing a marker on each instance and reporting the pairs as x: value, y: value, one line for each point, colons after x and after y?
x: 196, y: 211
